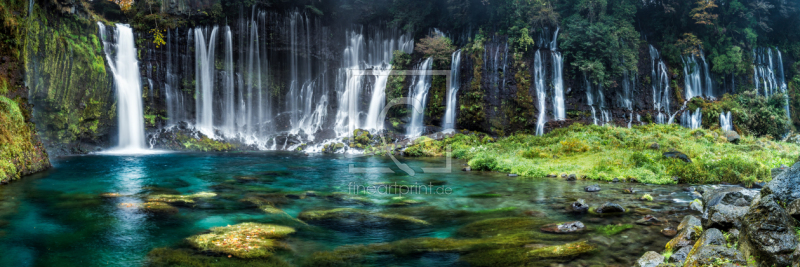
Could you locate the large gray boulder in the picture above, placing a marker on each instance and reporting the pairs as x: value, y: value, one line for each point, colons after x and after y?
x: 767, y: 234
x: 725, y: 206
x: 785, y: 187
x: 649, y: 259
x: 712, y: 254
x: 678, y: 257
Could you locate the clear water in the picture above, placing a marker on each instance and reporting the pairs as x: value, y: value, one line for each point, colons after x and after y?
x: 57, y: 218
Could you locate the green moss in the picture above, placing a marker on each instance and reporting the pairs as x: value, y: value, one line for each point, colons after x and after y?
x: 203, y: 144
x: 20, y: 152
x: 180, y: 199
x: 605, y: 153
x: 244, y: 240
x: 609, y: 230
x: 163, y: 257
x: 357, y: 214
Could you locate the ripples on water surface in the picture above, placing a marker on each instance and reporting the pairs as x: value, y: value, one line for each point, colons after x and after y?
x: 58, y: 218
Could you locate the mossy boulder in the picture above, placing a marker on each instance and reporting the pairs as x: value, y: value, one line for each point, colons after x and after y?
x: 244, y: 240
x: 358, y: 216
x: 688, y: 231
x: 715, y: 255
x: 768, y: 234
x: 180, y: 199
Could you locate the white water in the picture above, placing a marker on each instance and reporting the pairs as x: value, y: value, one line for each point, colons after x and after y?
x: 418, y: 98
x: 692, y: 120
x: 559, y: 112
x: 659, y: 81
x: 371, y: 50
x: 595, y: 99
x: 125, y: 69
x: 204, y: 79
x: 449, y: 121
x: 541, y: 94
x: 725, y: 121
x: 697, y: 77
x: 769, y: 78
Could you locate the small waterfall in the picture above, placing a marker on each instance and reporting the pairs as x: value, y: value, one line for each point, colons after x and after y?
x: 452, y: 94
x: 692, y: 120
x: 125, y: 69
x: 378, y: 100
x: 725, y: 121
x: 659, y: 80
x: 697, y: 77
x: 559, y: 112
x: 626, y: 97
x: 595, y: 99
x: 541, y: 94
x: 418, y: 98
x: 769, y: 78
x: 204, y: 83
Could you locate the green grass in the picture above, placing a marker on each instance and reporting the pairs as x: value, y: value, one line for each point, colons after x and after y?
x: 609, y: 230
x: 605, y: 153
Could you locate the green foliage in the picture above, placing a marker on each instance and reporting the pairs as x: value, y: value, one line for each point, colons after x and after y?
x: 611, y: 229
x: 599, y: 39
x: 605, y: 153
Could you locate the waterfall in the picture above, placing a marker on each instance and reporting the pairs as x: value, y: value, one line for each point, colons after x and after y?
x: 659, y: 81
x: 595, y: 99
x: 697, y: 77
x: 418, y: 98
x: 204, y: 80
x: 125, y: 69
x: 627, y: 94
x: 228, y: 89
x: 559, y: 112
x: 692, y: 120
x: 725, y: 121
x: 449, y: 122
x: 373, y: 50
x: 768, y: 73
x: 541, y: 95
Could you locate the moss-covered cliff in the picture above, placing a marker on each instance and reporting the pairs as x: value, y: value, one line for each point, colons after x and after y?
x: 69, y: 84
x: 21, y: 152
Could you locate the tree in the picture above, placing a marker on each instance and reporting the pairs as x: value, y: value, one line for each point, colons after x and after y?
x: 702, y: 13
x: 436, y: 46
x: 125, y: 5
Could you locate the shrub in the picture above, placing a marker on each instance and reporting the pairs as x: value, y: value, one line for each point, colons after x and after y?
x: 483, y: 163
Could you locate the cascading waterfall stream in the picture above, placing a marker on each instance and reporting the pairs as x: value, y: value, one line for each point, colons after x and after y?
x: 125, y: 69
x: 692, y: 120
x: 371, y: 50
x: 659, y: 81
x: 452, y: 94
x: 726, y: 121
x: 204, y: 83
x: 697, y: 77
x: 541, y: 94
x: 768, y: 75
x: 418, y: 98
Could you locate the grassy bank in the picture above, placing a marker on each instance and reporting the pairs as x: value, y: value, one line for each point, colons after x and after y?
x: 605, y: 153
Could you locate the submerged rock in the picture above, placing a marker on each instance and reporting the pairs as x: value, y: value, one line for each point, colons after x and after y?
x: 579, y: 206
x: 506, y: 227
x: 669, y: 232
x: 592, y: 188
x: 181, y: 199
x: 244, y: 240
x: 357, y: 216
x: 725, y: 206
x: 649, y: 259
x: 648, y: 220
x: 564, y: 228
x: 768, y: 234
x: 609, y: 208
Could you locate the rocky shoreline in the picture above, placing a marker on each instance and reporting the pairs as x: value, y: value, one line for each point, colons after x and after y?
x: 739, y: 227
